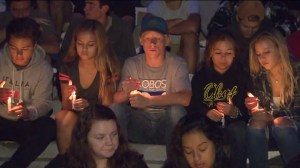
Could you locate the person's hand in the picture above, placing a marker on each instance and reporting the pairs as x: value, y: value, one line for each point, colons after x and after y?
x: 225, y: 108
x: 5, y: 93
x: 215, y: 115
x: 130, y: 84
x: 252, y: 104
x: 262, y: 115
x: 70, y: 89
x: 20, y: 111
x: 41, y: 21
x: 139, y: 100
x: 80, y: 104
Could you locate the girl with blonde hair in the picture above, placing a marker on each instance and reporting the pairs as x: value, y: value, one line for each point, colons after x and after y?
x: 275, y: 101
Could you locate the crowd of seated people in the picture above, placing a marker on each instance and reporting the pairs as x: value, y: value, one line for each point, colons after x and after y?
x: 220, y: 115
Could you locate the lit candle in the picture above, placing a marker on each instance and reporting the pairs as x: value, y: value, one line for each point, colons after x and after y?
x: 223, y: 121
x: 73, y: 98
x: 134, y: 92
x: 249, y: 94
x: 70, y: 82
x: 9, y: 103
x: 2, y: 83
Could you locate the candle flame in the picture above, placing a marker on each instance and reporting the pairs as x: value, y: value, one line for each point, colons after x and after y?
x: 249, y: 94
x: 2, y: 83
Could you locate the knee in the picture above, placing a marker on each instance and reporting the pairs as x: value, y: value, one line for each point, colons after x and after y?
x: 174, y: 113
x: 258, y: 124
x: 65, y: 119
x: 191, y: 38
x: 59, y: 116
x: 119, y: 109
x: 282, y: 122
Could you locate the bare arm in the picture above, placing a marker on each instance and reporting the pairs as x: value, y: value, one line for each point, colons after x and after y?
x: 65, y: 93
x: 179, y: 98
x: 108, y: 98
x: 126, y: 86
x: 144, y: 101
x: 50, y: 40
x: 121, y: 96
x: 190, y: 25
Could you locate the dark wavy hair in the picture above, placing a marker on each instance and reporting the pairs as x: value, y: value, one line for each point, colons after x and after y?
x: 79, y: 154
x: 187, y: 124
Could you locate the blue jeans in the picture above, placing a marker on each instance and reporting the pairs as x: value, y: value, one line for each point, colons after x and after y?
x: 257, y: 147
x: 287, y: 140
x: 142, y: 126
x: 235, y: 135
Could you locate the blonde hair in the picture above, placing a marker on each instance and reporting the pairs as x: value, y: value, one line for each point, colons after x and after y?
x: 106, y: 61
x: 288, y: 78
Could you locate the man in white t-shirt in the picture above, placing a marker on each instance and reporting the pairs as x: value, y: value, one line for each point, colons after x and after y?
x: 183, y: 20
x: 154, y: 87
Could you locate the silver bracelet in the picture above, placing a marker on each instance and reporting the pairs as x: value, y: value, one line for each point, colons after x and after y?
x: 236, y: 113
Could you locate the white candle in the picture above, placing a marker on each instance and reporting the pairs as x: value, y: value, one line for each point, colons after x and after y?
x: 134, y: 92
x: 223, y: 121
x: 9, y: 103
x: 2, y: 83
x: 70, y: 82
x: 249, y: 94
x: 73, y: 97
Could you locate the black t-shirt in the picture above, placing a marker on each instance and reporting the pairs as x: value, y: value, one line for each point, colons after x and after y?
x: 90, y: 93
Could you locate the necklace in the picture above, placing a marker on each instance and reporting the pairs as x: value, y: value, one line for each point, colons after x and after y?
x: 273, y: 79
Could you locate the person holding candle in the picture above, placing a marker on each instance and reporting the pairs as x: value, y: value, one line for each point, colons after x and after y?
x: 277, y: 96
x: 91, y: 70
x: 163, y: 84
x: 219, y: 90
x: 25, y: 94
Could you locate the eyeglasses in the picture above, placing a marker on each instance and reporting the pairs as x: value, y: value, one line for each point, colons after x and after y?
x: 15, y: 50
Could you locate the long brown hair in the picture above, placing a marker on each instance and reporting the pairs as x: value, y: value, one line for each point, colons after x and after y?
x: 106, y: 61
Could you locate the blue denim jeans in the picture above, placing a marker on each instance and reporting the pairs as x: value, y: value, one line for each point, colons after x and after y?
x: 257, y: 147
x: 235, y: 136
x: 142, y: 126
x: 287, y: 140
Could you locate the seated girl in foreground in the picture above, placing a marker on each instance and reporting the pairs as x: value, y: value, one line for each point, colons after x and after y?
x: 196, y: 142
x: 97, y: 141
